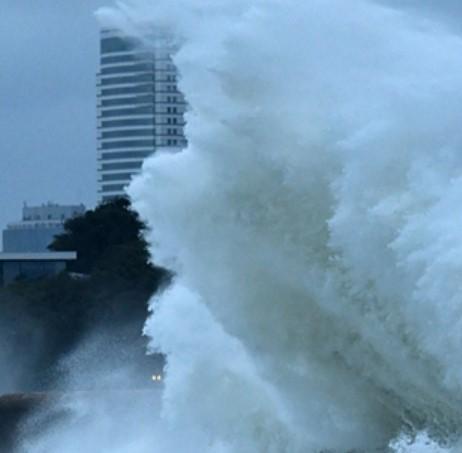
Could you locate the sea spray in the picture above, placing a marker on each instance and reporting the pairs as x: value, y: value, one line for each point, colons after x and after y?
x: 313, y: 226
x: 314, y: 217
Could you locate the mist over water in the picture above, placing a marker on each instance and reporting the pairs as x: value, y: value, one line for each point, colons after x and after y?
x: 314, y: 225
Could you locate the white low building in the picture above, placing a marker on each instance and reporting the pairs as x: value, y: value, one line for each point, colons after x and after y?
x: 38, y: 227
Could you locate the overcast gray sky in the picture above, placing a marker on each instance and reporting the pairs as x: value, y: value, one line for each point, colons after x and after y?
x: 48, y: 61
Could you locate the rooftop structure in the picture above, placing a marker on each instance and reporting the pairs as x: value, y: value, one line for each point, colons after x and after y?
x: 51, y: 212
x: 139, y: 108
x: 38, y: 226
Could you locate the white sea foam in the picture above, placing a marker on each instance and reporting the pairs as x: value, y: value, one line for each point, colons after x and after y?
x: 420, y: 443
x: 314, y: 226
x: 312, y: 223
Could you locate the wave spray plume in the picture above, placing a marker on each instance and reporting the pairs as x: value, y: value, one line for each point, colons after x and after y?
x: 313, y: 224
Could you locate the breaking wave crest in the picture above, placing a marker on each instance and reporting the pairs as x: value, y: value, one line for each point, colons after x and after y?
x: 314, y: 225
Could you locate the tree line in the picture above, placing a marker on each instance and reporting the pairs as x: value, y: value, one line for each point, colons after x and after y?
x: 106, y: 289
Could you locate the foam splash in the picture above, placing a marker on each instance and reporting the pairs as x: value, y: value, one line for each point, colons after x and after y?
x: 313, y: 223
x: 313, y: 217
x: 421, y: 443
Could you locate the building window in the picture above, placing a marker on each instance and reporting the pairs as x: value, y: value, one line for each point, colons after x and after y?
x: 128, y: 133
x: 129, y: 68
x: 128, y: 144
x: 139, y: 89
x: 121, y: 166
x: 127, y: 79
x: 149, y: 100
x: 127, y: 122
x: 113, y: 188
x: 126, y: 155
x: 116, y: 44
x: 117, y: 177
x: 127, y: 112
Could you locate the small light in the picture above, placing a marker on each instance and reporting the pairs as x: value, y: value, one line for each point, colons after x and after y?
x: 156, y: 377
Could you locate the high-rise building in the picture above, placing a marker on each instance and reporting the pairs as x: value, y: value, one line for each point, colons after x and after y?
x: 38, y: 226
x: 140, y: 109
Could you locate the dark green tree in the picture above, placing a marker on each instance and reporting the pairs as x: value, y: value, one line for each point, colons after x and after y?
x: 99, y: 232
x: 112, y: 251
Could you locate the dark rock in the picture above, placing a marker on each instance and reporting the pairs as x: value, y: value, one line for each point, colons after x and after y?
x: 13, y: 410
